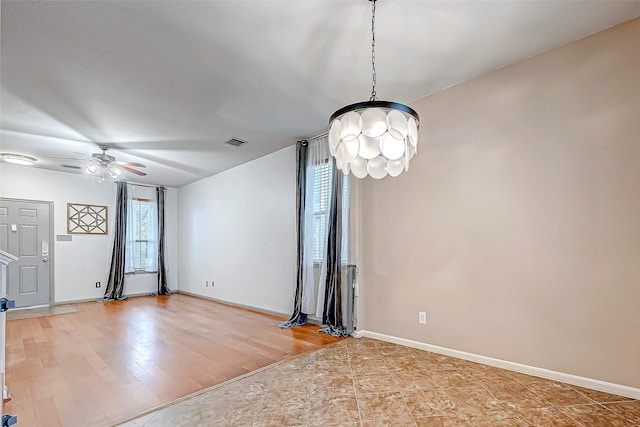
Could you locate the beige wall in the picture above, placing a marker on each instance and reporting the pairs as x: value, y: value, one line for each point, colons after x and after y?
x: 517, y: 228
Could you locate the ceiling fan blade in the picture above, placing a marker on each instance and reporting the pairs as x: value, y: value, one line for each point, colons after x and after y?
x: 133, y: 171
x: 67, y: 158
x: 138, y: 165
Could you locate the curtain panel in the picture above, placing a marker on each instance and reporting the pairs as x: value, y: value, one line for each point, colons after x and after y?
x: 115, y: 283
x: 163, y: 288
x: 298, y: 317
x: 332, y: 320
x: 320, y: 237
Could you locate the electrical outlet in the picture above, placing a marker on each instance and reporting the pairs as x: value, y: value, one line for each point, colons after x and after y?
x: 206, y: 283
x: 98, y: 284
x: 212, y: 283
x: 422, y: 317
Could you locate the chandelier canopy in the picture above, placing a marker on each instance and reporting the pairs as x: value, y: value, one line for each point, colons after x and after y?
x: 376, y: 138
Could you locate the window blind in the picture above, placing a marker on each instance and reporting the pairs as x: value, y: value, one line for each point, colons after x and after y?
x: 321, y: 199
x: 143, y: 218
x: 321, y: 202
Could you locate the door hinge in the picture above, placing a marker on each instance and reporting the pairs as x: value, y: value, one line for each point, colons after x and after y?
x: 6, y: 304
x: 9, y: 420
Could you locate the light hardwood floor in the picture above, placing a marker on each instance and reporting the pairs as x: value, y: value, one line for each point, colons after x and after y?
x: 110, y: 361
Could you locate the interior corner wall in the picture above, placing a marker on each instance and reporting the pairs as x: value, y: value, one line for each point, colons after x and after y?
x: 85, y: 260
x: 238, y: 231
x: 517, y: 226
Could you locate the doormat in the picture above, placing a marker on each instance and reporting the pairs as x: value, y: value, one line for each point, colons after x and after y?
x: 40, y: 311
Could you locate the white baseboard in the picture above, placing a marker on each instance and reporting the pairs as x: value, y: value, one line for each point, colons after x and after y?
x: 620, y: 390
x: 141, y: 294
x: 311, y: 320
x: 235, y: 304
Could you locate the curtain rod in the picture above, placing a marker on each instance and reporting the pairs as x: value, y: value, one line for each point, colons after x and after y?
x: 322, y: 135
x: 140, y: 185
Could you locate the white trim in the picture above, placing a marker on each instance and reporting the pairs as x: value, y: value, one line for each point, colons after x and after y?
x: 234, y: 304
x: 248, y: 307
x: 6, y: 257
x: 620, y: 390
x: 99, y: 299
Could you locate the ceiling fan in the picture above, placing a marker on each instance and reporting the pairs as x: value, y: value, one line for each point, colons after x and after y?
x: 103, y: 164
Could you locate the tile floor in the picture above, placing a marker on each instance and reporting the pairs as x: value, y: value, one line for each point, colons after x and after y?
x: 369, y: 383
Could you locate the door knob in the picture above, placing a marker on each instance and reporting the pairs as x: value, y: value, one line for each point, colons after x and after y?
x: 45, y: 259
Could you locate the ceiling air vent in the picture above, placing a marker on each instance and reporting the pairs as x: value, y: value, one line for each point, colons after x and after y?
x: 71, y: 167
x: 236, y: 142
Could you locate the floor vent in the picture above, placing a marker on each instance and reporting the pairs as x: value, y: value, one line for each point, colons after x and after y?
x: 236, y: 142
x: 71, y: 167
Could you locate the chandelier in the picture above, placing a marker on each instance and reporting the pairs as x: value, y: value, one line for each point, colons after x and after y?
x: 376, y: 138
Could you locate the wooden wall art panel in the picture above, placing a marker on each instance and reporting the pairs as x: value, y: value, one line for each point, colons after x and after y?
x: 86, y: 219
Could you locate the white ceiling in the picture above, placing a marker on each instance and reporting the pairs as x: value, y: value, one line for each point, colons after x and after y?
x: 166, y: 83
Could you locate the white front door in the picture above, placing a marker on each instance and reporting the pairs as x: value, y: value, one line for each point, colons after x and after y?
x: 24, y: 232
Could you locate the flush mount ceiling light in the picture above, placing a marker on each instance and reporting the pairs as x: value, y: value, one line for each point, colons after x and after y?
x: 18, y: 159
x: 376, y: 138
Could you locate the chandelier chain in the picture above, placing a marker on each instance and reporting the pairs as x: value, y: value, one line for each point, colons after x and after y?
x: 373, y: 50
x: 373, y: 138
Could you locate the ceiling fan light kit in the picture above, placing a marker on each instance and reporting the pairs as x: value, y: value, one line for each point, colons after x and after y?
x: 97, y: 169
x: 102, y: 165
x: 375, y: 138
x: 18, y: 159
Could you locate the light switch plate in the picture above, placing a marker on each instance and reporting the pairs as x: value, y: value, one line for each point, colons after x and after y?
x: 422, y: 317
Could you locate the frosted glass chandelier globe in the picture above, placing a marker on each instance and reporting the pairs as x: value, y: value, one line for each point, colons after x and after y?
x: 375, y: 138
x: 92, y: 167
x: 114, y: 171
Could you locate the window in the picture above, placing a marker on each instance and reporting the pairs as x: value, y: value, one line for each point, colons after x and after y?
x: 321, y: 203
x: 346, y: 204
x: 142, y: 235
x: 321, y: 199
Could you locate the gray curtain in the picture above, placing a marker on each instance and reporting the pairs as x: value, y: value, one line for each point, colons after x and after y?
x: 163, y: 289
x: 115, y: 284
x: 332, y: 314
x: 298, y: 317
